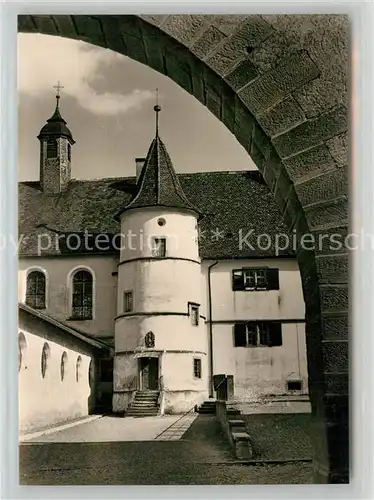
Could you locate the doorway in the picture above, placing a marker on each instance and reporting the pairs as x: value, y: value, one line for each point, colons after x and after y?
x: 149, y: 374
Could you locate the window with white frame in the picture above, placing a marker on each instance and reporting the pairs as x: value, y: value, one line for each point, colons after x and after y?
x: 258, y: 334
x: 255, y: 279
x: 194, y: 313
x: 128, y: 301
x: 159, y: 247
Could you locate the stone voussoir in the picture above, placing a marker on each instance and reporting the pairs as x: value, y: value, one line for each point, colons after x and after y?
x: 312, y: 132
x: 273, y: 86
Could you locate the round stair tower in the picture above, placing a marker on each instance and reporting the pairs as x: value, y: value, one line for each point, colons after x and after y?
x: 160, y: 330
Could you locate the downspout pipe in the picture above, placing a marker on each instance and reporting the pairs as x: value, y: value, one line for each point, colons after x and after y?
x: 211, y: 388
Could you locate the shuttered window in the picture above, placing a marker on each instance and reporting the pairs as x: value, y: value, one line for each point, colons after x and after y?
x: 258, y: 334
x: 251, y: 279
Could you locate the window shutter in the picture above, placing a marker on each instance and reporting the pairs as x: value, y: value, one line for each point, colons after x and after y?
x: 240, y: 339
x: 275, y: 334
x: 273, y: 279
x: 237, y: 280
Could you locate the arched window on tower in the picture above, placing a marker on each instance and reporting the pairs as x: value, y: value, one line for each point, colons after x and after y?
x: 82, y: 297
x: 69, y: 152
x: 52, y: 148
x: 35, y: 290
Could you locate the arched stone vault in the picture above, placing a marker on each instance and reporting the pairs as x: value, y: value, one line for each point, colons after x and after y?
x: 279, y: 83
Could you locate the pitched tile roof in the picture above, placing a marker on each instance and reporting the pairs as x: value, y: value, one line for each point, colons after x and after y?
x: 158, y: 182
x: 74, y: 332
x: 233, y: 204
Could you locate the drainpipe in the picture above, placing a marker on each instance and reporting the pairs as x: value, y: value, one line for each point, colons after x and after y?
x: 210, y: 331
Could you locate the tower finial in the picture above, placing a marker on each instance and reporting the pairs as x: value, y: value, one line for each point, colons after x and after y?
x: 157, y: 109
x: 58, y: 87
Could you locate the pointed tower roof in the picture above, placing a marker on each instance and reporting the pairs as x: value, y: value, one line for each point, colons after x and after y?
x: 56, y: 125
x: 158, y: 184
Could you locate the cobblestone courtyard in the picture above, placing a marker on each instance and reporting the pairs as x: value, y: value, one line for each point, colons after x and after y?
x: 200, y: 456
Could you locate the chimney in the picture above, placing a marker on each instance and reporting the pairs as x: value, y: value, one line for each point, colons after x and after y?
x: 139, y: 162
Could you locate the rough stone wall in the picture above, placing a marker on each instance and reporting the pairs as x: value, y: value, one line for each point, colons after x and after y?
x: 65, y: 164
x: 279, y: 83
x: 55, y: 173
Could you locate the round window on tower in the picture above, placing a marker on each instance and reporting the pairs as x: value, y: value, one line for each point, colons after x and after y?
x: 161, y: 221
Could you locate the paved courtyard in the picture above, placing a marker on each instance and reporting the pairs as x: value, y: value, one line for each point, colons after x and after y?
x: 198, y: 454
x: 114, y: 429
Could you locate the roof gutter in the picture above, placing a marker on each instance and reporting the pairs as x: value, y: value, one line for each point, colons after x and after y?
x: 211, y: 388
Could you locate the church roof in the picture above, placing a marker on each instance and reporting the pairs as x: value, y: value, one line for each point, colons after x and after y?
x: 234, y: 203
x: 56, y: 125
x: 73, y: 332
x: 158, y: 182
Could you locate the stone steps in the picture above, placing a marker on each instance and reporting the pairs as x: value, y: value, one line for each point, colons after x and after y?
x: 207, y: 408
x: 144, y: 404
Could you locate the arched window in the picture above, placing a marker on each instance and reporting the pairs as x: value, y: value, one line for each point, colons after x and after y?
x: 46, y: 354
x: 21, y: 349
x: 52, y: 148
x: 91, y: 374
x: 82, y: 295
x: 64, y: 361
x: 78, y: 369
x: 35, y: 290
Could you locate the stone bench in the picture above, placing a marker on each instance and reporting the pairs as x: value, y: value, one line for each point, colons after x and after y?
x: 242, y: 445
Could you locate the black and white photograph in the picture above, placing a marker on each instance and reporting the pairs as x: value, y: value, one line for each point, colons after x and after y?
x: 183, y: 249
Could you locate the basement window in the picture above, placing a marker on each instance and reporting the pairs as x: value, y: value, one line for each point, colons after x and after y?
x: 294, y: 385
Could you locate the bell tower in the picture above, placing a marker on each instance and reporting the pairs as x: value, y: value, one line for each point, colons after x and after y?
x: 56, y: 141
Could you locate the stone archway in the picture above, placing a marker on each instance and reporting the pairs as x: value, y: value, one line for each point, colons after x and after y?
x: 279, y: 83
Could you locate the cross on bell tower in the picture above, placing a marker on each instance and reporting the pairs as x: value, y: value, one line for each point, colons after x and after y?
x: 58, y: 87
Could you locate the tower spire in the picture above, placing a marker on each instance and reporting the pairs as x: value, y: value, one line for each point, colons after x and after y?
x: 157, y: 109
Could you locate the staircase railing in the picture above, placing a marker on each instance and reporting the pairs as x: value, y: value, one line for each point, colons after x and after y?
x: 161, y: 399
x: 132, y: 385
